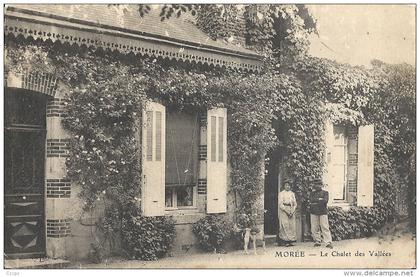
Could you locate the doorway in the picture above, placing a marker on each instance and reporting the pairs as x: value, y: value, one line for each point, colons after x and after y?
x: 275, y: 171
x: 271, y: 186
x: 24, y: 158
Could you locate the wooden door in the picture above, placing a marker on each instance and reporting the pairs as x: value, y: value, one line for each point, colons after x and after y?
x: 24, y: 159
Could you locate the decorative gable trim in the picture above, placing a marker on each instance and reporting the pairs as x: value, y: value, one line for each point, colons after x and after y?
x: 37, y: 26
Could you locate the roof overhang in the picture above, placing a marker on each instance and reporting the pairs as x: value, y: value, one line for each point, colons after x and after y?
x: 27, y: 23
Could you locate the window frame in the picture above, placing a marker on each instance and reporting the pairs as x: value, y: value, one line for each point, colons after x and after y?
x: 345, y: 145
x: 346, y: 202
x: 194, y: 184
x: 175, y: 206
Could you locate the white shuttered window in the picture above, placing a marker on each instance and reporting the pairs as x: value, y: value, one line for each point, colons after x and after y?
x: 337, y: 174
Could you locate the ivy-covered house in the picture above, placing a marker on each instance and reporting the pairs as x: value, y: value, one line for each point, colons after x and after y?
x: 184, y: 162
x: 123, y: 130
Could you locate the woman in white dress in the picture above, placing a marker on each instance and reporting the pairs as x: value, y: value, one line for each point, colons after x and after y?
x: 286, y: 211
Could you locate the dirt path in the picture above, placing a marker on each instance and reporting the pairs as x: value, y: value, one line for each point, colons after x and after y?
x: 357, y: 253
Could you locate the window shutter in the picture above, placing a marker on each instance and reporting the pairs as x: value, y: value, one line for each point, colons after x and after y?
x: 365, y: 166
x: 153, y: 160
x: 216, y: 160
x: 329, y: 145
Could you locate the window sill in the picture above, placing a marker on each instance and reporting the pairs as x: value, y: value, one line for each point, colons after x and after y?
x: 185, y: 216
x: 181, y: 210
x: 344, y: 205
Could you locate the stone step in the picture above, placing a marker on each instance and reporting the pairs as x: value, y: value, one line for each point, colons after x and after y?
x: 42, y: 263
x: 270, y: 239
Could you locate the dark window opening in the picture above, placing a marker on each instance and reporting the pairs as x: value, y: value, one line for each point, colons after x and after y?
x: 181, y: 162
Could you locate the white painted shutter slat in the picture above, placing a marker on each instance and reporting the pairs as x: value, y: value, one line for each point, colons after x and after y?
x: 216, y: 160
x: 153, y: 160
x: 329, y: 145
x: 365, y: 166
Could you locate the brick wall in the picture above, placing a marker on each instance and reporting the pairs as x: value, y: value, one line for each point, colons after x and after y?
x: 58, y: 148
x: 60, y: 205
x: 202, y: 152
x: 202, y: 186
x: 58, y: 188
x: 55, y: 107
x: 57, y: 228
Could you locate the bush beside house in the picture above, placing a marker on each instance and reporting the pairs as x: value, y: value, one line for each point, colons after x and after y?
x: 212, y: 232
x: 147, y: 238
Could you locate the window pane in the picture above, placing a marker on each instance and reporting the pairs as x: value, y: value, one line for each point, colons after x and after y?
x: 182, y: 138
x: 168, y: 197
x: 339, y: 154
x: 338, y: 168
x: 339, y: 135
x: 32, y: 103
x: 184, y: 196
x: 338, y: 182
x: 24, y: 162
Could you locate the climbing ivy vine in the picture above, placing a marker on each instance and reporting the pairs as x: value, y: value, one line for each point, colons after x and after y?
x: 274, y: 30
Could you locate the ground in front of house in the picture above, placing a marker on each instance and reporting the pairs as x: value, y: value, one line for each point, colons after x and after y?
x: 374, y: 252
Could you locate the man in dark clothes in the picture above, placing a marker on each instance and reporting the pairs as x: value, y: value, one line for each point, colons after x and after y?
x: 319, y: 215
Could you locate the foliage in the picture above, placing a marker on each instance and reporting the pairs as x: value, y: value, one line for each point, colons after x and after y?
x: 104, y: 158
x: 18, y: 57
x: 147, y: 238
x: 339, y: 114
x: 411, y: 193
x: 395, y: 107
x: 353, y: 87
x: 104, y: 140
x: 305, y: 146
x: 222, y: 21
x: 282, y: 30
x: 109, y: 226
x: 212, y: 231
x: 355, y: 223
x: 398, y: 96
x: 169, y: 10
x: 251, y: 135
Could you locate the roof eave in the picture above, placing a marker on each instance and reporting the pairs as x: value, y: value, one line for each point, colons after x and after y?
x: 16, y: 18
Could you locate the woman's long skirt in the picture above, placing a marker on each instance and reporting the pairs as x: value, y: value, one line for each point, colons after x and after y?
x: 287, y: 227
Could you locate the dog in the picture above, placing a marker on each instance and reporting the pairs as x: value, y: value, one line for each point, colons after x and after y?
x: 248, y: 235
